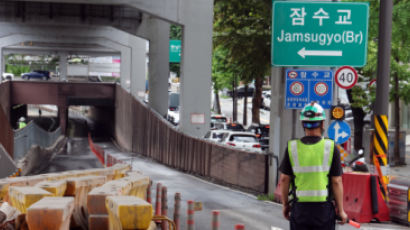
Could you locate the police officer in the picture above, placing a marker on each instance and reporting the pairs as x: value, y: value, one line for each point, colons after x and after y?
x: 22, y: 123
x: 311, y: 175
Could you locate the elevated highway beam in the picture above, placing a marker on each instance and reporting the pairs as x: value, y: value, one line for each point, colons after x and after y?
x: 196, y: 17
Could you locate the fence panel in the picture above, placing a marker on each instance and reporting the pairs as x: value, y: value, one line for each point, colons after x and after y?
x: 154, y: 137
x: 30, y: 135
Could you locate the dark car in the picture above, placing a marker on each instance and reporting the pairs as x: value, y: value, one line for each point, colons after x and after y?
x: 241, y: 91
x: 264, y: 141
x: 37, y: 74
x: 234, y: 127
x: 259, y: 130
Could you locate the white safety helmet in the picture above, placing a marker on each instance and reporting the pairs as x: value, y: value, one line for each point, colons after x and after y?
x: 22, y: 119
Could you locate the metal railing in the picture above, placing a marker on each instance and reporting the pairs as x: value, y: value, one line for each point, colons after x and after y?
x: 30, y: 135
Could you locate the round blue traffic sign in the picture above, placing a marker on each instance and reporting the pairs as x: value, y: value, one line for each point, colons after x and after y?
x: 339, y: 131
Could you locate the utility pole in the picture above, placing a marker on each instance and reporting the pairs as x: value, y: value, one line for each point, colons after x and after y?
x: 380, y: 139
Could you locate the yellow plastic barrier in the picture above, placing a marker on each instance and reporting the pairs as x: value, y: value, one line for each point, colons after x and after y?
x: 50, y: 213
x: 57, y: 188
x: 23, y: 197
x: 128, y: 212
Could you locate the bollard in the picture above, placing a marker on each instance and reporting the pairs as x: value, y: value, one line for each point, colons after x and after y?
x: 164, y: 207
x: 177, y: 205
x: 158, y: 200
x: 215, y: 220
x: 239, y: 227
x: 149, y: 191
x: 190, y: 220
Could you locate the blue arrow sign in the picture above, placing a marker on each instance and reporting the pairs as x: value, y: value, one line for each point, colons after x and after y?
x: 304, y: 86
x: 339, y: 131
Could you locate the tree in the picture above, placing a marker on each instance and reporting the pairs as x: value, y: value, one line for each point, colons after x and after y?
x: 224, y: 73
x: 242, y: 27
x: 400, y: 59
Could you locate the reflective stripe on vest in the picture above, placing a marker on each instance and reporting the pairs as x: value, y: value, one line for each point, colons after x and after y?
x: 311, y: 175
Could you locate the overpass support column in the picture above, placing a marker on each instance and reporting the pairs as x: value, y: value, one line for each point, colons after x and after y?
x: 2, y: 63
x: 63, y: 117
x: 138, y: 67
x: 158, y: 65
x: 63, y: 65
x: 196, y: 66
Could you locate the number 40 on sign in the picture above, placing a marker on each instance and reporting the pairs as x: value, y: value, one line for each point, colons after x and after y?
x: 346, y: 77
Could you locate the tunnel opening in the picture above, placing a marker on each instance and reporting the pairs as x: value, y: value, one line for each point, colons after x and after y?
x: 98, y: 121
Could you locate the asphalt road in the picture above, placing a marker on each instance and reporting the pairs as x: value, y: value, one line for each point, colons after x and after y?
x: 234, y: 206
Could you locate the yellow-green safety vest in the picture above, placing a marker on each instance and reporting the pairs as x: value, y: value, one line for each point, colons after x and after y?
x: 311, y: 165
x: 22, y: 124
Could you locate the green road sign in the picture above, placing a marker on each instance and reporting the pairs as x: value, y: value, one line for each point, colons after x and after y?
x: 319, y: 33
x: 175, y: 51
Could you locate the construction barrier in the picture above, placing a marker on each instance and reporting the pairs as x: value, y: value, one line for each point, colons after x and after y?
x: 380, y: 147
x: 164, y: 207
x: 56, y: 210
x: 239, y: 227
x: 177, y: 206
x: 215, y: 220
x: 363, y: 200
x: 190, y: 220
x: 399, y: 200
x: 158, y: 200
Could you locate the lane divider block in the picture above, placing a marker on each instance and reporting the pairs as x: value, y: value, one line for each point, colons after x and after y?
x: 128, y: 212
x: 23, y: 197
x: 50, y: 213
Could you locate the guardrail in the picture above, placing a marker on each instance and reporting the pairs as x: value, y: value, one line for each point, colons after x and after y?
x: 32, y: 134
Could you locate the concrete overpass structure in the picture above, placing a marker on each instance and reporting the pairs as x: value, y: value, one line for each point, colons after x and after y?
x: 123, y: 26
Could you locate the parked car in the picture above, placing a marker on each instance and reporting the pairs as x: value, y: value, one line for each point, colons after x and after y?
x: 227, y: 126
x: 218, y: 118
x: 259, y: 130
x: 264, y: 141
x: 266, y: 100
x: 241, y: 91
x: 7, y: 76
x: 37, y: 74
x: 173, y: 116
x: 242, y: 140
x: 215, y: 135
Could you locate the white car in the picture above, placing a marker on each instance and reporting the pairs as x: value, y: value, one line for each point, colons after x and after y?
x: 266, y: 100
x: 242, y: 140
x: 215, y: 135
x: 7, y: 76
x: 173, y: 116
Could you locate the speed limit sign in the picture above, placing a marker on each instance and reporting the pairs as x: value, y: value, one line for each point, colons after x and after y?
x: 346, y: 77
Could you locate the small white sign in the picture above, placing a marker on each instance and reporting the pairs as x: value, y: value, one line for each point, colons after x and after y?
x: 197, y: 118
x: 141, y: 94
x: 346, y: 77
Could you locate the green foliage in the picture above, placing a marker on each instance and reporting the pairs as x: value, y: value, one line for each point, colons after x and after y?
x: 400, y: 53
x: 242, y: 27
x: 223, y: 69
x: 17, y: 70
x: 268, y: 197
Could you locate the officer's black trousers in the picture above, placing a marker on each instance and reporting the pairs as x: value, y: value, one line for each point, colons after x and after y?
x: 312, y: 216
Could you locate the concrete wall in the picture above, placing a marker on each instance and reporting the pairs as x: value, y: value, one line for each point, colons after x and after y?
x: 6, y: 132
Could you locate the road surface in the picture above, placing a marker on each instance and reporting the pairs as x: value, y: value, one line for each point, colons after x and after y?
x: 234, y: 206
